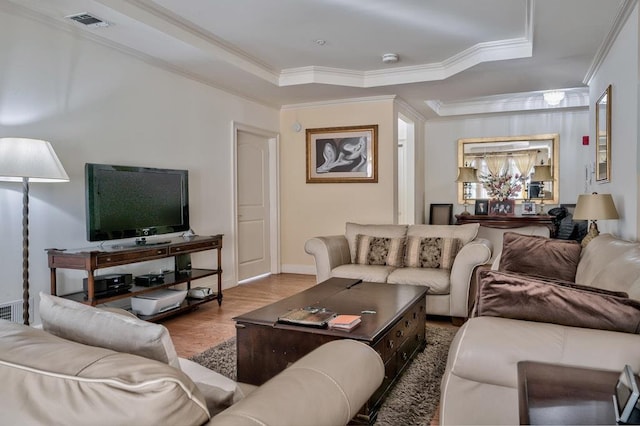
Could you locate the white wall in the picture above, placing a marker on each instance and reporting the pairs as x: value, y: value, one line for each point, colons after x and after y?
x: 96, y: 104
x: 442, y: 146
x: 620, y: 69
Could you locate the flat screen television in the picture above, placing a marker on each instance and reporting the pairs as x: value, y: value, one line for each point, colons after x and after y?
x: 126, y: 202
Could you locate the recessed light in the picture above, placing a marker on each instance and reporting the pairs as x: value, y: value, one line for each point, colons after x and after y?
x: 320, y: 42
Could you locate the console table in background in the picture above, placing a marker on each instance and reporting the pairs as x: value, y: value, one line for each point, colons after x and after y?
x: 94, y: 258
x: 507, y: 222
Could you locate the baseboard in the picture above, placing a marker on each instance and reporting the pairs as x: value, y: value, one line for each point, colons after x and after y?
x: 299, y: 269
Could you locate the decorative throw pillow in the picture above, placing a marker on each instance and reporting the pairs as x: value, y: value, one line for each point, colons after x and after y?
x: 431, y: 252
x: 541, y: 256
x: 379, y: 250
x: 527, y: 298
x: 96, y: 327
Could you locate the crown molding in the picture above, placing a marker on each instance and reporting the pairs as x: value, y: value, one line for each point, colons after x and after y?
x: 514, y: 102
x: 481, y: 52
x: 624, y: 11
x: 338, y: 102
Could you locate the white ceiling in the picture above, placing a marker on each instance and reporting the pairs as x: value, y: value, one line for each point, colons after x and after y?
x: 456, y: 56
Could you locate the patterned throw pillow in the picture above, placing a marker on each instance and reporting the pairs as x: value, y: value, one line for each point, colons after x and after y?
x: 431, y: 252
x: 379, y: 250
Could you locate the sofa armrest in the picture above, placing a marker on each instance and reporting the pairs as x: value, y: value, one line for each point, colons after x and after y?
x: 328, y: 252
x: 328, y: 386
x: 475, y: 253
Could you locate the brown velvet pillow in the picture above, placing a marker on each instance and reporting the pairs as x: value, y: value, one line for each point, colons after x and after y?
x: 527, y: 298
x: 542, y: 256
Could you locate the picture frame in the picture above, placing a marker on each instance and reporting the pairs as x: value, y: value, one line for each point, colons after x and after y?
x: 529, y: 208
x: 502, y: 207
x: 441, y: 214
x: 482, y: 207
x: 342, y: 154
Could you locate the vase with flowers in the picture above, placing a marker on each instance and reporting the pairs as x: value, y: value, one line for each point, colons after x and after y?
x: 502, y: 186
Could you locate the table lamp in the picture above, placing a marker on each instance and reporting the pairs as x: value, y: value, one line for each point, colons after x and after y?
x: 28, y: 160
x: 541, y: 173
x: 466, y: 176
x: 593, y: 207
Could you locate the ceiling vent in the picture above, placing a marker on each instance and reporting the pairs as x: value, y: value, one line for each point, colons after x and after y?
x: 88, y: 20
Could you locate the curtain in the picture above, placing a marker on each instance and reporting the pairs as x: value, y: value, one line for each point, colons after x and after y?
x: 525, y: 161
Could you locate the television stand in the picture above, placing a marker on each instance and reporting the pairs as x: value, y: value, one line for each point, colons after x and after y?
x: 144, y: 242
x: 95, y: 258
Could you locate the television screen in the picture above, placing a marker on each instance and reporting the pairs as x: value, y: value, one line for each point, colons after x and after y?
x: 126, y: 201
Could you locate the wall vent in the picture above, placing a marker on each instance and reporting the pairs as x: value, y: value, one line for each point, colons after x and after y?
x: 12, y: 311
x: 88, y: 20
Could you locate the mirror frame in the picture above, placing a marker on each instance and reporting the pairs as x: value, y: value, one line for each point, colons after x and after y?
x: 555, y: 161
x: 603, y: 143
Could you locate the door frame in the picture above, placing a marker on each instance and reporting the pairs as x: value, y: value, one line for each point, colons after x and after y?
x: 274, y: 193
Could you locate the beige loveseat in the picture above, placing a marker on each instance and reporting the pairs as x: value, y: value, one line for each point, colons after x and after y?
x: 403, y: 262
x: 51, y: 380
x: 480, y: 381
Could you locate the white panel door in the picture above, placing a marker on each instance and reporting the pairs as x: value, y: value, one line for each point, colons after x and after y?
x: 254, y: 256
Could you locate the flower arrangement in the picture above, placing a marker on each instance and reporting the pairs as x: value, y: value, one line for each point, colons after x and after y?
x: 502, y: 186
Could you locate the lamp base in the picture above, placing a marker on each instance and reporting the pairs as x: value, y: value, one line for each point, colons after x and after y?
x: 593, y: 232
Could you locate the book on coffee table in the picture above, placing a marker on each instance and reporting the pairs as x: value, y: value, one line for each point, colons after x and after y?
x: 310, y: 316
x: 345, y: 322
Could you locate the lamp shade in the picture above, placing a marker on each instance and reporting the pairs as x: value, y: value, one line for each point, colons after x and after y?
x: 29, y: 158
x: 541, y: 174
x: 467, y: 174
x: 594, y: 207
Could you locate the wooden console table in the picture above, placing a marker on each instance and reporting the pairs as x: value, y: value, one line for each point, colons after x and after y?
x: 95, y: 258
x: 506, y: 222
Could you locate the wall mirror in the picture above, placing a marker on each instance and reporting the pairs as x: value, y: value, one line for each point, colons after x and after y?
x: 603, y: 136
x: 526, y: 167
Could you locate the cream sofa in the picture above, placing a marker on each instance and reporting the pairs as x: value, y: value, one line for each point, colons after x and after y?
x: 48, y: 379
x: 336, y: 256
x: 480, y: 381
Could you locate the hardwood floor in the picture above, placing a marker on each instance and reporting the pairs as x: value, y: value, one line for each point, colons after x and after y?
x: 211, y: 324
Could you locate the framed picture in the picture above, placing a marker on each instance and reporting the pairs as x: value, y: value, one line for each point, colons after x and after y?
x: 502, y: 208
x: 342, y: 154
x: 440, y: 214
x: 528, y: 207
x: 482, y: 207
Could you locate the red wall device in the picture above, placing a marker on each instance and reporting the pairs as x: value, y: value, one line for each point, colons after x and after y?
x: 585, y: 140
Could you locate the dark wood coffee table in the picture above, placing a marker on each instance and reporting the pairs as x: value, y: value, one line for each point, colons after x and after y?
x: 396, y: 330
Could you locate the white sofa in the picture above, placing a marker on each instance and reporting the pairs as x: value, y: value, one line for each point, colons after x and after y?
x: 337, y: 256
x: 479, y: 385
x: 98, y: 367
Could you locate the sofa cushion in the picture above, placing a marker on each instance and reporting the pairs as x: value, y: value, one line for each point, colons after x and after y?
x: 96, y: 327
x: 438, y: 280
x: 385, y: 231
x: 465, y: 233
x: 379, y: 250
x: 535, y: 255
x: 367, y: 273
x: 527, y: 298
x: 610, y: 263
x: 57, y: 381
x: 431, y: 252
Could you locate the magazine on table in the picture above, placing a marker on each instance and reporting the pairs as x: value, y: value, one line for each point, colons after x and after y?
x: 309, y: 316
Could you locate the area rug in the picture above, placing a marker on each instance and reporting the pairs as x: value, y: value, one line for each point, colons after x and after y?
x: 412, y: 401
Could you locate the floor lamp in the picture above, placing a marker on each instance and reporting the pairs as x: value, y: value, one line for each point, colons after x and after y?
x: 28, y: 160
